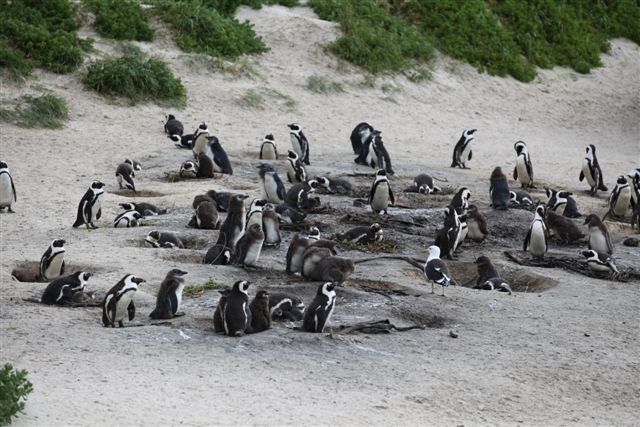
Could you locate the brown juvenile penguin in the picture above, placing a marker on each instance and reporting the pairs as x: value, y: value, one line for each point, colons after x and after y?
x: 205, y: 166
x: 599, y: 239
x: 562, y: 227
x: 486, y: 270
x: 477, y: 224
x: 206, y: 216
x: 260, y: 314
x: 169, y: 296
x: 499, y: 190
x: 199, y: 199
x: 233, y: 225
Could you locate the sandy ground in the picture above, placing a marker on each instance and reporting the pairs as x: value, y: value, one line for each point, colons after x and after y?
x: 568, y: 355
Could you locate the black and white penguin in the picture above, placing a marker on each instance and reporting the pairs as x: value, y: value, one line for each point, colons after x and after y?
x: 462, y: 151
x: 634, y: 175
x: 635, y: 216
x: 169, y: 296
x: 118, y: 302
x: 436, y: 271
x: 128, y: 219
x: 205, y: 166
x: 562, y: 227
x: 620, y: 200
x: 499, y: 190
x: 600, y: 262
x: 359, y: 136
x: 286, y: 307
x: 221, y: 163
x: 268, y: 150
x: 295, y: 253
x: 182, y: 141
x: 254, y: 216
x: 125, y: 174
x: 61, y: 290
x: 218, y: 255
x: 7, y: 189
x: 339, y: 186
x: 319, y: 312
x: 295, y: 169
x: 381, y: 195
x: 523, y: 171
x: 233, y: 226
x: 591, y: 170
x: 272, y: 186
x: 236, y: 316
x: 477, y: 224
x: 314, y: 233
x: 173, y: 126
x: 560, y: 199
x: 145, y: 209
x: 320, y: 264
x: 206, y: 216
x: 248, y: 248
x: 376, y: 154
x: 90, y: 206
x: 460, y: 200
x: 289, y: 215
x: 599, y: 239
x: 270, y: 226
x: 488, y: 277
x: 189, y: 169
x: 135, y: 165
x: 52, y: 261
x: 260, y: 315
x: 218, y: 323
x: 299, y: 142
x: 362, y: 235
x: 464, y: 228
x: 536, y: 239
x: 299, y: 192
x: 448, y: 237
x: 520, y: 198
x: 201, y: 141
x: 424, y: 184
x: 222, y: 199
x: 164, y: 239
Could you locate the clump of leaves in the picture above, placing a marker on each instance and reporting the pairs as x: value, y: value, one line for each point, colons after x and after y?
x: 120, y: 19
x: 136, y: 77
x: 43, y: 111
x: 14, y: 388
x: 196, y: 291
x: 323, y: 85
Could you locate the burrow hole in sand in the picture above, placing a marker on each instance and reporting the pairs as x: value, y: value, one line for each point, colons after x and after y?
x: 466, y: 273
x: 29, y: 271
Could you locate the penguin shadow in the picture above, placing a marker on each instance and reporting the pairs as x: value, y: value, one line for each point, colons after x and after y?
x: 29, y: 271
x: 520, y: 279
x: 139, y: 193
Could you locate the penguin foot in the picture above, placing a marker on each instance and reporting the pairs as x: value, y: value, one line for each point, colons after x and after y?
x: 10, y: 210
x: 179, y: 314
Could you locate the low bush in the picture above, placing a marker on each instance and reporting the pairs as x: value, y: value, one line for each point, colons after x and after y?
x: 14, y: 388
x: 120, y: 19
x: 42, y: 111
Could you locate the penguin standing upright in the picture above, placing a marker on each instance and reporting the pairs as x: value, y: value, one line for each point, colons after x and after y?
x: 536, y: 239
x: 449, y: 236
x: 319, y: 312
x: 374, y: 153
x: 7, y: 189
x: 119, y: 301
x: 499, y: 190
x: 523, y: 171
x: 436, y: 271
x: 221, y: 163
x: 169, y: 296
x: 272, y: 186
x: 295, y: 253
x: 52, y: 261
x: 268, y: 150
x: 125, y: 174
x: 270, y: 226
x: 462, y: 151
x: 359, y: 136
x: 254, y: 216
x: 599, y: 239
x: 173, y: 126
x: 380, y: 194
x: 236, y: 315
x: 591, y: 170
x: 559, y: 199
x: 135, y: 165
x: 218, y: 323
x: 295, y: 169
x: 90, y: 206
x: 460, y: 200
x: 299, y: 142
x: 233, y: 226
x: 62, y: 290
x: 248, y: 248
x: 201, y: 141
x: 260, y: 314
x: 477, y: 224
x: 620, y: 200
x: 204, y: 167
x: 635, y: 185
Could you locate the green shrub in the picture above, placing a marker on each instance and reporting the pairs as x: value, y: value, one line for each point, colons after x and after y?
x: 203, y: 29
x: 14, y: 388
x: 13, y: 64
x: 614, y: 18
x: 44, y: 32
x: 120, y: 19
x: 43, y: 111
x: 136, y: 77
x: 229, y: 7
x: 373, y: 38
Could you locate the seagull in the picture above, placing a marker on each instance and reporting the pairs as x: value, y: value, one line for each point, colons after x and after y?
x: 435, y: 270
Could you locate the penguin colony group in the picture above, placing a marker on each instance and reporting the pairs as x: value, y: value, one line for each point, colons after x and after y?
x: 244, y: 233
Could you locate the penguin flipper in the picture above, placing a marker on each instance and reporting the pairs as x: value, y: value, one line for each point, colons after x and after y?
x: 131, y: 310
x: 391, y: 198
x: 62, y: 268
x: 527, y: 240
x: 581, y: 176
x: 13, y: 188
x: 99, y: 214
x: 515, y: 172
x: 470, y: 154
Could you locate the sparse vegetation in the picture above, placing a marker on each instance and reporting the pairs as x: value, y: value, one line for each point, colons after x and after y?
x: 251, y: 99
x: 120, y: 19
x: 43, y: 111
x: 196, y: 291
x: 14, y: 388
x: 257, y: 98
x: 241, y: 67
x: 136, y: 77
x: 321, y: 84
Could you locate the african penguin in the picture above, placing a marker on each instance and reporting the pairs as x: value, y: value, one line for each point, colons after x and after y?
x: 62, y: 290
x: 488, y: 277
x: 221, y: 163
x: 272, y: 186
x: 221, y: 198
x: 90, y: 206
x: 635, y: 185
x: 359, y: 136
x: 320, y: 264
x: 182, y: 141
x: 381, y: 195
x: 460, y: 200
x: 218, y: 323
x: 145, y: 209
x: 128, y: 219
x: 169, y: 296
x: 523, y: 171
x: 562, y: 227
x: 289, y: 215
x: 268, y: 150
x: 299, y: 142
x: 600, y: 262
x: 201, y: 141
x: 125, y: 174
x: 477, y: 224
x: 448, y: 237
x: 236, y: 315
x: 248, y: 248
x: 319, y: 312
x: 340, y: 186
x: 536, y: 239
x: 436, y: 271
x: 620, y: 200
x: 135, y: 165
x: 206, y: 216
x: 118, y: 302
x: 286, y: 307
x: 599, y: 239
x: 424, y: 184
x: 295, y: 253
x: 233, y: 226
x: 188, y: 169
x: 260, y: 314
x: 270, y: 226
x: 7, y: 189
x: 295, y: 169
x: 52, y: 261
x: 204, y: 166
x: 591, y: 170
x: 163, y: 239
x: 499, y: 190
x: 376, y: 154
x: 462, y: 151
x: 173, y: 126
x: 299, y: 191
x: 254, y: 216
x: 520, y: 198
x: 218, y: 255
x: 559, y: 199
x: 362, y: 235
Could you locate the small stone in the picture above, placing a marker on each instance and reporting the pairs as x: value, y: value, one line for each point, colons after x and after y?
x: 453, y: 334
x: 631, y: 241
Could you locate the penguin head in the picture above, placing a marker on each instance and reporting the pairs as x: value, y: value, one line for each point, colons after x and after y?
x: 424, y: 189
x: 127, y: 206
x: 592, y: 220
x: 262, y: 295
x: 170, y: 117
x: 513, y: 197
x: 131, y: 282
x: 313, y: 184
x: 591, y: 149
x: 588, y: 254
x: 295, y: 127
x: 175, y: 138
x: 621, y: 180
x: 176, y: 272
x: 381, y: 173
x: 482, y: 261
x: 292, y: 155
x: 255, y: 230
x: 324, y: 182
x: 241, y: 286
x: 375, y: 228
x: 541, y: 210
x: 472, y: 208
x: 135, y: 165
x: 328, y: 289
x: 314, y: 233
x: 257, y: 204
x: 549, y: 192
x: 137, y: 280
x: 97, y: 185
x: 202, y: 127
x: 520, y: 146
x: 468, y: 133
x: 268, y: 208
x: 153, y: 237
x: 58, y: 244
x: 3, y: 165
x: 269, y: 137
x: 83, y: 276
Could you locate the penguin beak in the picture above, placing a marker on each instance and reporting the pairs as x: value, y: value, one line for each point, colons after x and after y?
x: 181, y: 273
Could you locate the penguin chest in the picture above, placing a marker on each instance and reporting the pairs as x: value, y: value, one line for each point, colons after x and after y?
x: 521, y: 167
x: 271, y: 231
x: 296, y: 259
x: 122, y: 304
x: 327, y: 311
x: 297, y: 145
x: 598, y: 241
x: 622, y: 203
x: 271, y: 189
x: 464, y: 230
x: 6, y: 192
x: 380, y: 200
x: 598, y: 266
x: 254, y: 218
x: 253, y: 252
x: 586, y: 171
x: 465, y: 152
x: 473, y: 230
x: 268, y: 152
x: 95, y: 208
x: 55, y: 267
x: 538, y: 242
x: 178, y: 298
x: 372, y: 158
x: 291, y: 172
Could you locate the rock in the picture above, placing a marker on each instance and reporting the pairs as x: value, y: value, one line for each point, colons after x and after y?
x: 453, y: 334
x: 631, y: 241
